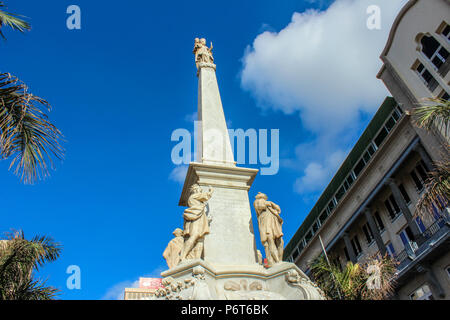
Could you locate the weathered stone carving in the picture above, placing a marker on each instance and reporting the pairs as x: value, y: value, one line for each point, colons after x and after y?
x: 193, y: 288
x: 309, y: 289
x: 270, y: 228
x: 174, y: 248
x: 203, y: 54
x: 201, y: 289
x: 242, y: 291
x: 196, y: 224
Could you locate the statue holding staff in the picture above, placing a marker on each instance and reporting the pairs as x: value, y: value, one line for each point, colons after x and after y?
x: 270, y: 228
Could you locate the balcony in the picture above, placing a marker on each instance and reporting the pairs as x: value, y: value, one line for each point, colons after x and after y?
x: 439, y: 230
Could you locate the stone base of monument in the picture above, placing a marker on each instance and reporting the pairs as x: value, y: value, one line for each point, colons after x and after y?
x: 199, y: 280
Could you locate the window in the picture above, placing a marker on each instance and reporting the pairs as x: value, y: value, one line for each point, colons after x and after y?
x: 426, y: 77
x: 308, y: 236
x: 350, y: 179
x: 417, y: 181
x: 390, y: 249
x: 406, y: 236
x: 380, y: 137
x: 445, y: 96
x: 340, y: 193
x: 331, y: 205
x: 356, y: 246
x: 392, y: 207
x: 359, y: 167
x: 347, y: 256
x: 446, y: 32
x: 390, y: 124
x: 404, y: 194
x: 423, y: 293
x: 315, y: 227
x: 378, y: 221
x: 421, y: 170
x: 432, y: 49
x: 420, y: 224
x: 295, y: 254
x: 419, y: 176
x: 323, y: 216
x: 368, y: 233
x: 396, y: 115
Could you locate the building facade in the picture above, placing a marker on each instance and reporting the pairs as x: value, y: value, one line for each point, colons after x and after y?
x: 369, y: 206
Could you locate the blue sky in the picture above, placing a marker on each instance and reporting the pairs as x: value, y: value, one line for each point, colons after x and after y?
x: 123, y: 83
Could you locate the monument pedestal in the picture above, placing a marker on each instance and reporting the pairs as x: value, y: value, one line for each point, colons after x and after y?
x: 229, y: 269
x: 200, y: 280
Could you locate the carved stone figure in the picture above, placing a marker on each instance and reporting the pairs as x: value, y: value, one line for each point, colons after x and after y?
x: 174, y: 248
x: 196, y: 224
x: 270, y: 228
x: 203, y: 54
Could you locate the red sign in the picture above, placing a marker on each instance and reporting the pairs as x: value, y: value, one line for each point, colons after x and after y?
x: 150, y: 283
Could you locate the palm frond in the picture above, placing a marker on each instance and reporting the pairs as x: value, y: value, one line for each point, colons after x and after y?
x: 26, y: 134
x: 14, y: 21
x: 19, y: 258
x: 432, y: 114
x: 437, y: 191
x: 351, y: 282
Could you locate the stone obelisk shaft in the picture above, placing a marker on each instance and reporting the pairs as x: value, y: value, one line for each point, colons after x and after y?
x: 214, y: 145
x: 231, y: 239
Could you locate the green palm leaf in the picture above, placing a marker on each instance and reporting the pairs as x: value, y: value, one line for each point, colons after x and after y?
x: 26, y: 134
x: 432, y: 114
x: 19, y: 258
x: 11, y: 20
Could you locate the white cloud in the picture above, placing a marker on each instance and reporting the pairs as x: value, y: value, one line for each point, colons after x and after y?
x: 321, y: 66
x: 317, y: 175
x: 117, y: 291
x: 178, y: 174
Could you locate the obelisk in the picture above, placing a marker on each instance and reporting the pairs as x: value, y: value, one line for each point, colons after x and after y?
x: 217, y: 253
x: 231, y: 239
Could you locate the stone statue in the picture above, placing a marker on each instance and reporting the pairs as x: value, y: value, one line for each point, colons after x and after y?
x: 270, y: 230
x: 173, y: 250
x: 196, y: 224
x: 203, y: 54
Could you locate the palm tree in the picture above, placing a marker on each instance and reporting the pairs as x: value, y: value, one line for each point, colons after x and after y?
x: 354, y: 281
x: 434, y: 115
x: 19, y: 258
x: 11, y: 20
x: 26, y: 135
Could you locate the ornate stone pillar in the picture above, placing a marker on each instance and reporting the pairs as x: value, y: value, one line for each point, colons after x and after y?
x: 375, y: 231
x: 404, y: 207
x: 424, y: 155
x: 348, y: 245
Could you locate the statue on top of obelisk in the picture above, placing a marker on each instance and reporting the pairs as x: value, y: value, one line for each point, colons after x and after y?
x: 203, y: 54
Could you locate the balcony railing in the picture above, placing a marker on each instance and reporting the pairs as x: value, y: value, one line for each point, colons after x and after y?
x: 424, y: 240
